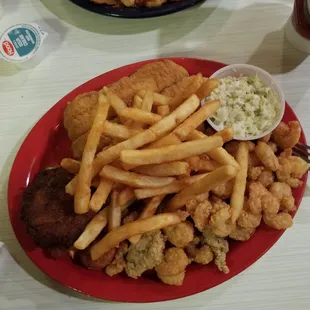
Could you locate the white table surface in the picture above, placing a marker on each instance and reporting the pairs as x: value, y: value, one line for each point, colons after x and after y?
x: 231, y: 31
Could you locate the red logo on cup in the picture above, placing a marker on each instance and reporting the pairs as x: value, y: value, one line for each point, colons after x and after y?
x: 8, y: 48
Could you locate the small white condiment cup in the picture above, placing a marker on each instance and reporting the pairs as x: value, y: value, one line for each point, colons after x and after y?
x: 238, y: 70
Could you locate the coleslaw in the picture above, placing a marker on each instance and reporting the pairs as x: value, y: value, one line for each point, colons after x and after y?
x: 247, y: 105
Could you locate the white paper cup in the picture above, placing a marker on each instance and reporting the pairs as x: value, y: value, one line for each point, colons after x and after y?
x: 238, y: 70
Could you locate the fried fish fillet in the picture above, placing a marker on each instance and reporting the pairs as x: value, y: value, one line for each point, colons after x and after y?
x: 156, y: 76
x: 179, y: 86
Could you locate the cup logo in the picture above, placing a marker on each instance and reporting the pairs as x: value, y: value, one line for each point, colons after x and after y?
x: 8, y: 48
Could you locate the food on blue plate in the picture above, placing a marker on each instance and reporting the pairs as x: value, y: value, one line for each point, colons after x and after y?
x: 163, y: 192
x: 133, y: 3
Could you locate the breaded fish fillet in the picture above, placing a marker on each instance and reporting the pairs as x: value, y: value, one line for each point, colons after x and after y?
x: 79, y: 114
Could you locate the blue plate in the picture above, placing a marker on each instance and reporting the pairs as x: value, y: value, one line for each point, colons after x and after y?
x: 166, y: 8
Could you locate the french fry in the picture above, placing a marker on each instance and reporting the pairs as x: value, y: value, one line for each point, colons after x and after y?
x: 207, y: 88
x: 92, y: 230
x: 126, y: 195
x: 101, y: 194
x: 210, y: 181
x: 148, y: 211
x: 170, y: 139
x: 159, y: 99
x: 219, y: 154
x: 170, y: 153
x: 227, y: 134
x: 237, y: 197
x: 195, y: 135
x: 165, y: 169
x: 71, y: 165
x: 147, y: 102
x: 144, y: 104
x: 207, y: 110
x: 163, y: 110
x: 172, y: 188
x: 192, y: 89
x: 133, y: 179
x: 141, y: 116
x: 71, y: 186
x: 84, y: 177
x: 95, y: 226
x: 116, y: 102
x: 155, y: 132
x: 119, y: 234
x: 198, y: 164
x: 137, y: 101
x: 115, y: 212
x: 119, y: 131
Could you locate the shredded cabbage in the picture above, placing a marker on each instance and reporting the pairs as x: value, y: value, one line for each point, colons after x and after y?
x: 246, y: 104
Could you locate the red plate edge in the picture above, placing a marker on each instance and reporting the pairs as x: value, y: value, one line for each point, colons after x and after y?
x: 95, y: 283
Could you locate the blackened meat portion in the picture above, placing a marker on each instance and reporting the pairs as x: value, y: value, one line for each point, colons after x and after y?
x: 48, y: 212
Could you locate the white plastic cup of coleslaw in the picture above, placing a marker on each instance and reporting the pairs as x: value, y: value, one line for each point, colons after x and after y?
x: 247, y: 118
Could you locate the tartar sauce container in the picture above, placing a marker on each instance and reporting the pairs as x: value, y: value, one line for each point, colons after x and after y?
x: 23, y: 45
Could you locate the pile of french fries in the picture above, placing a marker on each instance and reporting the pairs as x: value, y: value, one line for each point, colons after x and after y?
x: 159, y: 152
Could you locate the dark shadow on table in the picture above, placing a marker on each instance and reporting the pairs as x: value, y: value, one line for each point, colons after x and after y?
x: 275, y: 46
x: 170, y: 27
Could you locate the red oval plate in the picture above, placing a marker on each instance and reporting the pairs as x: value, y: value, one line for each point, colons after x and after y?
x: 47, y: 144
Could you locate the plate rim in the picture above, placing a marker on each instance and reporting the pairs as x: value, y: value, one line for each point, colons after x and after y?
x: 57, y: 107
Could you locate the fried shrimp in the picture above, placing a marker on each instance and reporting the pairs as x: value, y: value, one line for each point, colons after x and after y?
x: 219, y: 221
x: 292, y: 168
x: 266, y: 178
x: 283, y: 193
x: 286, y: 136
x: 171, y: 270
x: 270, y: 204
x: 265, y: 138
x: 180, y: 235
x: 267, y: 156
x: 253, y: 160
x: 278, y: 221
x: 249, y: 220
x: 241, y: 233
x: 255, y: 172
x: 224, y: 190
x: 200, y: 212
x: 204, y: 255
x: 273, y: 146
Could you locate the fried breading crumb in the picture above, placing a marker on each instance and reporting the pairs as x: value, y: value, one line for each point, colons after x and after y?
x: 145, y: 254
x: 180, y: 235
x: 219, y: 247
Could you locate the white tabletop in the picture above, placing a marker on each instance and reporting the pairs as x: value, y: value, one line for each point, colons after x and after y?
x: 231, y: 31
